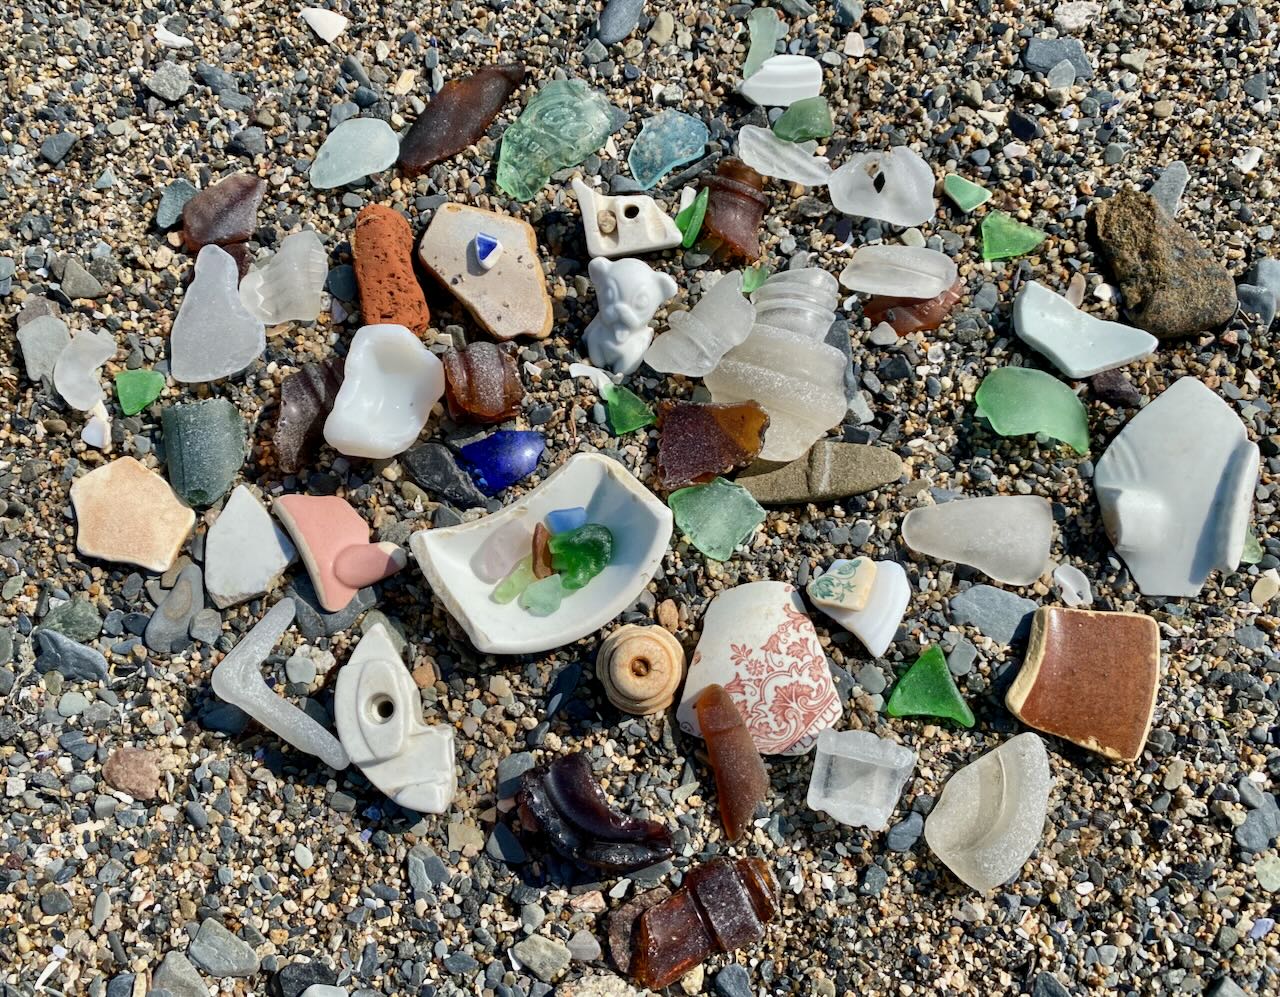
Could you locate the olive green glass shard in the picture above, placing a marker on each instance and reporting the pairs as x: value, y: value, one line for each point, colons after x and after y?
x: 1004, y: 237
x: 928, y: 690
x: 809, y: 118
x: 627, y: 411
x: 561, y: 126
x: 1018, y: 401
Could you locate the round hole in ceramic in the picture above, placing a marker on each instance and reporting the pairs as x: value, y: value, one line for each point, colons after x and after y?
x: 631, y: 211
x: 381, y: 709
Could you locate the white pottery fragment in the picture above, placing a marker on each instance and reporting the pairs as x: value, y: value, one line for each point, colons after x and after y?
x: 696, y: 339
x: 905, y: 196
x: 1079, y: 344
x: 327, y: 24
x: 214, y: 335
x: 781, y: 80
x: 390, y: 383
x: 288, y: 286
x: 378, y: 710
x: 245, y: 551
x: 628, y: 293
x: 75, y: 375
x: 771, y: 156
x: 900, y: 271
x: 1176, y: 486
x: 641, y: 527
x: 625, y: 224
x: 877, y: 622
x: 169, y: 39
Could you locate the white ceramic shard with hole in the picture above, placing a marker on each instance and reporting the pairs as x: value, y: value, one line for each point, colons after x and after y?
x: 378, y: 710
x: 641, y: 527
x: 390, y: 383
x: 75, y: 374
x: 781, y: 80
x: 697, y: 339
x: 288, y: 286
x: 877, y: 621
x: 899, y: 271
x: 1078, y: 344
x: 1005, y: 536
x: 623, y: 224
x: 1176, y: 487
x: 771, y: 156
x: 894, y: 187
x: 238, y: 680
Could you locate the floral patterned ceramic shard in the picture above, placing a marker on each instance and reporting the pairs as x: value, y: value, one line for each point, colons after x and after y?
x: 844, y: 585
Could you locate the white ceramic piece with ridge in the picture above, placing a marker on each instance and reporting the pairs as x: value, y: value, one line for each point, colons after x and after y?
x: 623, y: 224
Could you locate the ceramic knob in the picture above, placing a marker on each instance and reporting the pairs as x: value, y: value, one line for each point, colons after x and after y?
x: 641, y: 668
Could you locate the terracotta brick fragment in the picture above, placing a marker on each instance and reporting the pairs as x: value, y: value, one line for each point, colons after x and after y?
x: 389, y: 289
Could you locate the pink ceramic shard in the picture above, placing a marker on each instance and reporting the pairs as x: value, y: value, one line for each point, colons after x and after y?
x: 333, y: 540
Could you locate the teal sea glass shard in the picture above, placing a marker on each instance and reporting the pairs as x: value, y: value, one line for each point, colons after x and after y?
x: 716, y: 517
x: 928, y: 690
x: 560, y: 127
x: 766, y: 28
x: 1004, y: 237
x: 1018, y: 401
x: 667, y: 140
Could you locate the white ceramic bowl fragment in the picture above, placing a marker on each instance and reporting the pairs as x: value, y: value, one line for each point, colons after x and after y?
x: 456, y: 560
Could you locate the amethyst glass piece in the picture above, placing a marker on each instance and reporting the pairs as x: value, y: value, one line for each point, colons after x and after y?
x: 500, y: 460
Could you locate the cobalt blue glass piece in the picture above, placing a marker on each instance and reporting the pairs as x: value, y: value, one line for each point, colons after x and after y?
x: 500, y: 460
x: 488, y: 249
x: 564, y: 520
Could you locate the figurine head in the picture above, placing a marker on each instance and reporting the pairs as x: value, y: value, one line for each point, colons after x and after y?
x: 628, y: 292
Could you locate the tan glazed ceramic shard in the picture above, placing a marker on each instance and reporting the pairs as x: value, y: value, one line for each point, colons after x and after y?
x: 127, y: 514
x: 1090, y: 678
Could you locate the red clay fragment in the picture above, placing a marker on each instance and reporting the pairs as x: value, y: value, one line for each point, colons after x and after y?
x: 389, y: 289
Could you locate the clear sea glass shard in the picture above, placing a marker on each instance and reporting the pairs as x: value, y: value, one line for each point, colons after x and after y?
x: 288, y: 286
x: 899, y: 271
x: 1004, y: 536
x: 858, y: 777
x: 1072, y: 586
x: 75, y: 374
x: 699, y: 337
x: 894, y: 186
x: 783, y: 79
x: 990, y: 816
x: 238, y: 680
x: 1078, y: 344
x: 771, y: 156
x: 766, y: 28
x: 354, y: 150
x: 214, y: 335
x: 1176, y: 488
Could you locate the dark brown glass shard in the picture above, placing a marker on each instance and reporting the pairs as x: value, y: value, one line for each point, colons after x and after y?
x: 305, y: 400
x: 562, y: 803
x: 735, y: 208
x: 742, y: 781
x: 908, y: 315
x: 722, y: 906
x: 622, y: 925
x: 698, y: 441
x: 542, y: 552
x: 457, y: 117
x: 223, y: 214
x: 482, y: 383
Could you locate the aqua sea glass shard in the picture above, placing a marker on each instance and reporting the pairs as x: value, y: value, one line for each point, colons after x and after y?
x: 564, y: 123
x: 1252, y: 552
x: 716, y: 517
x: 1004, y: 237
x: 928, y: 690
x: 543, y: 597
x: 806, y: 119
x: 689, y: 220
x: 965, y: 194
x: 1018, y: 401
x: 766, y: 28
x: 666, y: 141
x: 627, y: 411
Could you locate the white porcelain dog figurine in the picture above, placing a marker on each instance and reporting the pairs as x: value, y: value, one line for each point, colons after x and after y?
x: 628, y: 292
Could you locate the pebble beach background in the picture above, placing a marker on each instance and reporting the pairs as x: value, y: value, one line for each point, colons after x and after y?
x: 1153, y: 878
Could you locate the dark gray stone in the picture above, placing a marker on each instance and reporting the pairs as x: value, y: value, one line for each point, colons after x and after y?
x: 169, y: 81
x: 1000, y: 615
x: 733, y: 981
x: 55, y: 148
x: 618, y: 19
x: 220, y: 953
x: 170, y: 625
x: 74, y: 661
x: 904, y: 834
x: 172, y: 200
x: 434, y: 469
x: 1042, y: 54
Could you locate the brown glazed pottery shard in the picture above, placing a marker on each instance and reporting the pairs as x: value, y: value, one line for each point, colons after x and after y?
x: 457, y: 117
x: 698, y: 441
x: 908, y: 315
x: 1090, y: 678
x: 389, y: 290
x: 222, y: 214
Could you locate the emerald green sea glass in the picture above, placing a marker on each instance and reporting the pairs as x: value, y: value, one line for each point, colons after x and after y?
x: 519, y: 579
x: 766, y: 28
x: 753, y: 277
x: 543, y: 597
x: 1252, y: 552
x: 689, y: 220
x: 1004, y: 237
x: 561, y: 126
x: 1018, y: 401
x: 581, y: 554
x: 136, y: 389
x: 966, y: 194
x: 928, y: 690
x: 627, y: 411
x: 806, y: 119
x: 716, y: 517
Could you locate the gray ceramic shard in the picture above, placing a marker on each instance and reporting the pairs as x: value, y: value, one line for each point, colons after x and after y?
x: 858, y: 777
x: 771, y: 156
x: 238, y: 680
x: 75, y: 374
x: 288, y: 286
x: 1005, y: 536
x: 1176, y: 488
x: 894, y: 186
x: 379, y: 713
x: 355, y: 149
x: 991, y: 813
x: 214, y: 335
x: 1078, y: 344
x: 245, y: 551
x: 43, y: 339
x: 899, y: 271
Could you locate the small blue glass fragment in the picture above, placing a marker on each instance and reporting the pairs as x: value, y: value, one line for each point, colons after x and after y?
x: 488, y: 249
x: 564, y: 520
x: 500, y: 460
x: 667, y: 140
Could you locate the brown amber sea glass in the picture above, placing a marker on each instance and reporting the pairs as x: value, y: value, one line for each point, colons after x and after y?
x: 735, y: 206
x: 908, y: 315
x: 562, y: 803
x: 622, y: 925
x: 305, y: 400
x: 742, y: 781
x: 482, y: 383
x: 457, y: 117
x: 223, y: 214
x: 542, y: 552
x: 698, y: 441
x: 722, y: 906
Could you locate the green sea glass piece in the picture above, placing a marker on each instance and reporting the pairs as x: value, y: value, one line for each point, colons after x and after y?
x: 1004, y: 237
x: 928, y: 690
x: 766, y: 28
x: 519, y: 579
x: 561, y: 126
x: 205, y: 444
x: 136, y: 389
x: 809, y: 118
x: 689, y: 220
x: 667, y: 140
x: 754, y: 277
x: 627, y: 411
x: 581, y: 554
x: 966, y: 194
x: 543, y: 597
x: 1018, y: 401
x: 1252, y: 552
x: 716, y: 517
